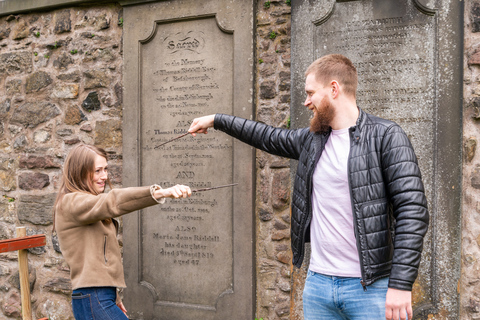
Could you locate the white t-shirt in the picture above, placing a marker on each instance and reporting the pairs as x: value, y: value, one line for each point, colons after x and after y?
x: 334, y: 248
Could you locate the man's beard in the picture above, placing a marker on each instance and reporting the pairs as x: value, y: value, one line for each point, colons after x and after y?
x: 322, y: 117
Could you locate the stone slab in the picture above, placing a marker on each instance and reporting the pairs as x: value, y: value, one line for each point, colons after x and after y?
x: 189, y: 258
x: 408, y: 56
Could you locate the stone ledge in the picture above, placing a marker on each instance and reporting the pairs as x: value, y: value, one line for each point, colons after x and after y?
x: 8, y: 7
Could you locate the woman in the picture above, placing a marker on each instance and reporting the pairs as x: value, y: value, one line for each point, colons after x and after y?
x: 84, y: 221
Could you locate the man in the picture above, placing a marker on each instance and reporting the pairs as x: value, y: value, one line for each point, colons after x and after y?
x: 358, y: 197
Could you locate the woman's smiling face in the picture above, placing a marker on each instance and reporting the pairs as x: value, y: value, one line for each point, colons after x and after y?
x: 100, y: 174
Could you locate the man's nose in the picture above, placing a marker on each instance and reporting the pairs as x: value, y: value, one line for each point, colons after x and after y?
x: 307, y: 102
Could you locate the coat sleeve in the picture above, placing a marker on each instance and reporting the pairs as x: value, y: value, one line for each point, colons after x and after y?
x: 281, y: 142
x: 86, y: 208
x: 406, y: 193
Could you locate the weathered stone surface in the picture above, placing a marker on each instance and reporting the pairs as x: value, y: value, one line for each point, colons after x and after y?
x: 36, y: 209
x: 16, y: 62
x: 14, y: 280
x: 5, y: 233
x: 267, y: 90
x: 102, y: 22
x: 86, y: 127
x: 475, y: 180
x: 72, y: 141
x: 475, y: 17
x: 20, y: 142
x: 13, y: 86
x: 104, y: 55
x: 31, y: 114
x: 8, y: 179
x: 279, y: 225
x: 56, y: 244
x: 41, y: 136
x: 37, y: 81
x: 470, y: 148
x: 74, y: 76
x: 4, y: 32
x: 73, y: 115
x: 119, y: 92
x: 91, y: 102
x: 474, y: 58
x: 115, y: 174
x: 265, y: 215
x: 60, y: 285
x: 282, y: 309
x: 63, y: 61
x: 7, y: 164
x: 11, y: 307
x: 5, y: 109
x: 62, y: 21
x: 95, y: 79
x: 284, y: 257
x: 32, y: 181
x: 63, y: 132
x: 108, y: 134
x: 281, y: 189
x: 20, y: 31
x: 65, y: 91
x: 280, y: 235
x: 54, y: 309
x: 58, y: 44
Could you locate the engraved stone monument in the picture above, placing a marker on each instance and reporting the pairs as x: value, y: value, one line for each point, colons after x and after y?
x: 408, y: 58
x: 188, y: 258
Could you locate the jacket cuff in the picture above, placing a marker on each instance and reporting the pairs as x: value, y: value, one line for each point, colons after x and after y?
x: 153, y: 188
x: 400, y: 285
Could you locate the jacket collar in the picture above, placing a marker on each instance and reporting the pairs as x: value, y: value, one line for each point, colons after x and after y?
x: 357, y: 129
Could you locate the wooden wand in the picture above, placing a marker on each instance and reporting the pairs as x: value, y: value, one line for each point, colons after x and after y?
x: 180, y: 136
x: 212, y: 188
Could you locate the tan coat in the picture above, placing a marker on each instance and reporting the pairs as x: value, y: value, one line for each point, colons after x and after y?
x: 89, y: 244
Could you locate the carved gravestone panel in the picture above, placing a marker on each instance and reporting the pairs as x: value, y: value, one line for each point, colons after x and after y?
x: 408, y: 66
x: 188, y: 258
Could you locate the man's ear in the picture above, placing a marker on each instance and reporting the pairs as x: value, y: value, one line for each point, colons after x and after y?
x: 335, y: 88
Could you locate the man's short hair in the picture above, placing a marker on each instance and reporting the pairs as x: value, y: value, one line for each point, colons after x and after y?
x: 335, y: 67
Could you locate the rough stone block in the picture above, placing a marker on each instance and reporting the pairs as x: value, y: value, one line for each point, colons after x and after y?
x: 36, y: 209
x: 108, y: 134
x: 73, y: 115
x: 281, y: 189
x: 33, y: 181
x: 37, y: 81
x: 32, y: 114
x: 62, y: 21
x: 20, y: 31
x: 59, y: 285
x: 96, y: 79
x: 16, y: 62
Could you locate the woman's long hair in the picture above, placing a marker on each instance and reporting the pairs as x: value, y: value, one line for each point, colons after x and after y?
x: 78, y: 171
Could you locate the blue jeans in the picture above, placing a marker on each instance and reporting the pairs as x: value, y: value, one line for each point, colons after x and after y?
x: 97, y: 303
x: 328, y: 297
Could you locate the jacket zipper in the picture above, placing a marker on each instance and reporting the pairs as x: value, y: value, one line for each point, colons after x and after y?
x: 355, y: 227
x: 309, y: 204
x: 105, y: 250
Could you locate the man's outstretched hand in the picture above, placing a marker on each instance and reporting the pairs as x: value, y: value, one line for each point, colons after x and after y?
x: 201, y: 125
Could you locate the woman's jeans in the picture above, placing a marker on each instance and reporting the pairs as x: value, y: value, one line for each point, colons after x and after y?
x: 97, y: 303
x: 327, y: 297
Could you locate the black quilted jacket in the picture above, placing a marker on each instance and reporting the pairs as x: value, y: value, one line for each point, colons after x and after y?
x: 388, y: 200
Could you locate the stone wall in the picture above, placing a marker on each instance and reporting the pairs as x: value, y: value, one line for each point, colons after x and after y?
x: 273, y: 173
x: 470, y: 274
x: 60, y: 85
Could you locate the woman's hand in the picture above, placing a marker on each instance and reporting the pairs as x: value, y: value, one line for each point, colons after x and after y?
x: 122, y: 307
x: 178, y: 191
